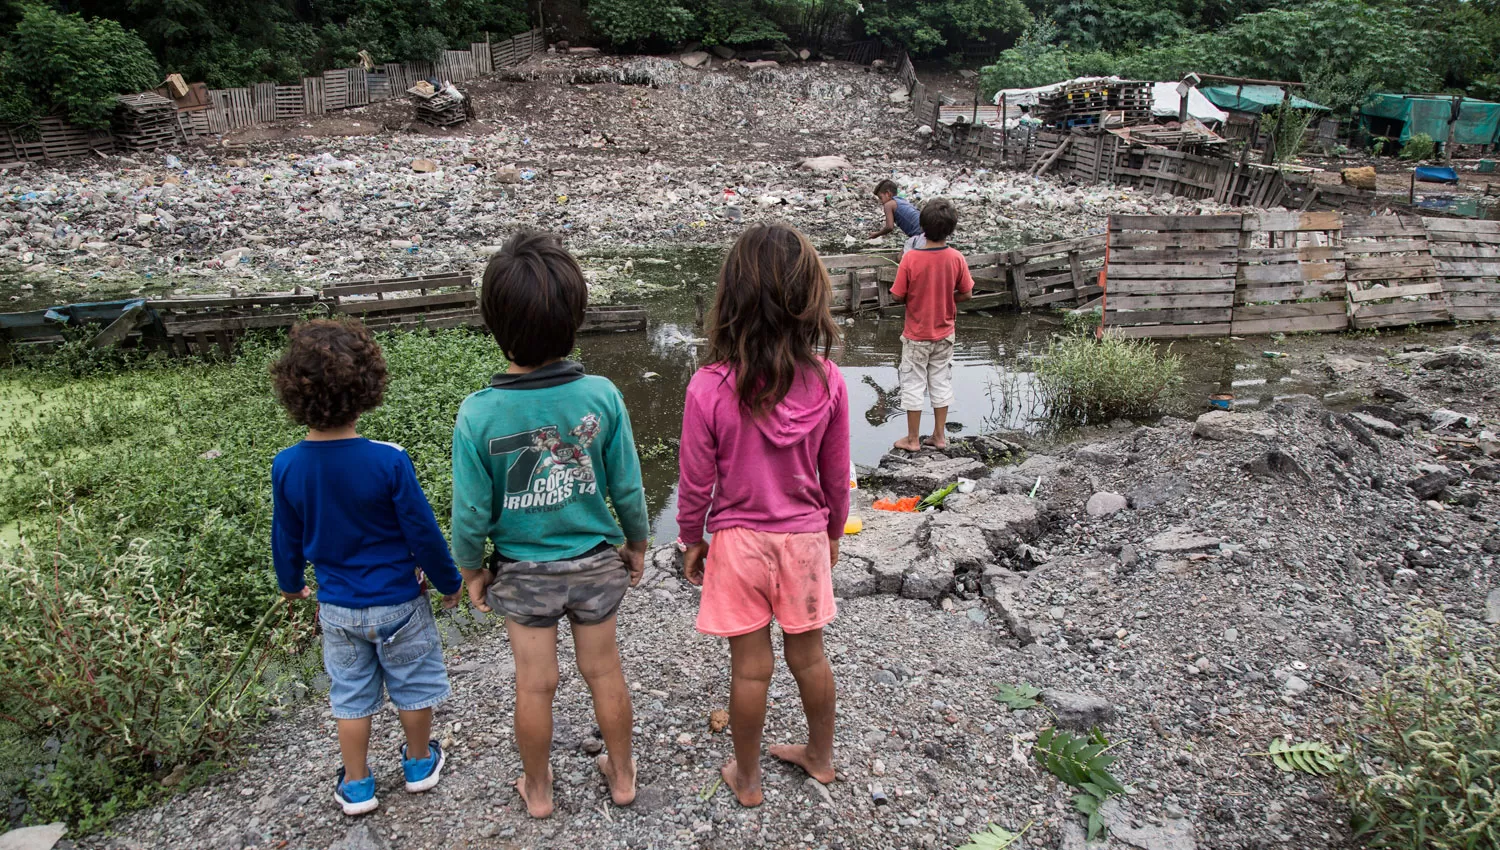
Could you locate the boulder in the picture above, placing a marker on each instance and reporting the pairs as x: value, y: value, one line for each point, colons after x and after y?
x: 825, y: 164
x: 925, y: 473
x: 1099, y: 454
x: 1079, y: 712
x: 763, y: 64
x: 696, y: 59
x: 1103, y: 504
x: 1359, y: 178
x: 1223, y: 425
x: 1004, y: 519
x: 963, y: 544
x: 33, y: 837
x: 928, y: 578
x: 1430, y: 485
x: 1380, y: 426
x: 361, y: 836
x: 1169, y: 489
x: 423, y: 166
x: 1180, y: 538
x: 723, y: 51
x: 853, y: 578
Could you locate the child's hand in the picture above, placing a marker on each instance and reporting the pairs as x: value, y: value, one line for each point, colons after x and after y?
x: 833, y: 551
x: 450, y: 601
x: 298, y: 596
x: 693, y: 559
x: 477, y: 581
x: 633, y: 553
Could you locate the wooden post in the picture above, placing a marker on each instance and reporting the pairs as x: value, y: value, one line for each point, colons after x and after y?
x: 1453, y: 114
x: 1004, y: 133
x: 1270, y: 156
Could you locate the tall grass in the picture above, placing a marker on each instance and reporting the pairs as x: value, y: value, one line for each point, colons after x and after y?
x: 1089, y: 380
x: 142, y: 580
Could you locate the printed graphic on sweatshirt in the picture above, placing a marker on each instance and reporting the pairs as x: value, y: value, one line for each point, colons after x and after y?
x: 544, y: 472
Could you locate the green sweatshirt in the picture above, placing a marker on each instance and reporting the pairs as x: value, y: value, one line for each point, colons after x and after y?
x: 533, y: 457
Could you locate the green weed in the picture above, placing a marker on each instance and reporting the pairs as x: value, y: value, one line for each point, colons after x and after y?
x: 1426, y: 766
x: 1089, y: 380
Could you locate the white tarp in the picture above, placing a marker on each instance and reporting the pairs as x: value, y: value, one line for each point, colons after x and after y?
x: 1029, y: 97
x: 1165, y: 103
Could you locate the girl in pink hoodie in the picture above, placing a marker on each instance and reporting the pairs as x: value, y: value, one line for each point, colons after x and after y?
x: 765, y: 461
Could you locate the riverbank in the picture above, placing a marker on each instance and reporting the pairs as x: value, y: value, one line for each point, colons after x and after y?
x: 1242, y: 586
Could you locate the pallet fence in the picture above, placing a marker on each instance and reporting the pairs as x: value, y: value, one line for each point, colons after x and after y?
x: 262, y: 103
x: 1294, y: 272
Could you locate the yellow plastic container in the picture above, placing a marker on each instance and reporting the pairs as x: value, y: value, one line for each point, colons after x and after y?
x: 854, y: 525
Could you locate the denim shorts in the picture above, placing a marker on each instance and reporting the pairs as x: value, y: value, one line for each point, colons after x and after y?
x: 394, y: 648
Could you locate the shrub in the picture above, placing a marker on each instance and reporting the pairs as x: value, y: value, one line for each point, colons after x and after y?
x: 1418, y: 147
x: 1428, y: 746
x: 1094, y: 380
x: 112, y: 654
x: 62, y: 61
x: 635, y: 22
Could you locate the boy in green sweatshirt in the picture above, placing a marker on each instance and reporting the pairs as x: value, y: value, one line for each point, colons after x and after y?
x: 534, y: 456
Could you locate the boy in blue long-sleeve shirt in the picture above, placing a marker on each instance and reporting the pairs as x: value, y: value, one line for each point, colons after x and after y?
x: 353, y: 508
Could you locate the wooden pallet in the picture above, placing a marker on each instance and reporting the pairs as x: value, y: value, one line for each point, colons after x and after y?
x: 1390, y: 274
x: 336, y: 89
x: 1466, y: 255
x: 291, y: 101
x: 1170, y: 276
x: 1057, y: 274
x: 314, y: 97
x: 1291, y: 274
x: 861, y: 282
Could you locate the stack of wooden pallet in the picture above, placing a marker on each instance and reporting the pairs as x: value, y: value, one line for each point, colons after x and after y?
x: 145, y: 122
x: 443, y: 109
x: 1087, y: 104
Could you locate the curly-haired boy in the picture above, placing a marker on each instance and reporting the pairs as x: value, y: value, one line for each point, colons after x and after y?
x: 353, y: 508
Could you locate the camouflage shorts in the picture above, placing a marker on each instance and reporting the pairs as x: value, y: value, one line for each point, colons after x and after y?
x: 537, y: 594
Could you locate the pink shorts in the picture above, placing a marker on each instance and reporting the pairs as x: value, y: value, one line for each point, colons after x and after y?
x: 754, y: 575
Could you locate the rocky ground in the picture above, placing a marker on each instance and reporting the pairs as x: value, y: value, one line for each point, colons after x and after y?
x: 612, y: 152
x: 1193, y: 588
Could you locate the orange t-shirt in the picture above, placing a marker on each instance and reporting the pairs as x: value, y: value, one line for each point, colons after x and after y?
x: 927, y: 280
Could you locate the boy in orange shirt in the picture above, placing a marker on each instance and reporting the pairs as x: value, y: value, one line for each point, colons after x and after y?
x: 931, y: 281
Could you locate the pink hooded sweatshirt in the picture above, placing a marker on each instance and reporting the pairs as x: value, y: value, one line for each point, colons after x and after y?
x: 785, y: 472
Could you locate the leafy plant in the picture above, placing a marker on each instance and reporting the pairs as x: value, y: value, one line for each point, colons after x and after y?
x: 1018, y: 697
x: 67, y: 62
x: 1305, y: 757
x: 994, y: 838
x: 1426, y: 755
x: 1082, y: 763
x: 1287, y: 127
x: 1419, y: 147
x: 1036, y: 60
x: 936, y: 498
x: 1092, y: 380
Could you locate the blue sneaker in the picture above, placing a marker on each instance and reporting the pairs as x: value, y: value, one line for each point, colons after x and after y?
x: 357, y: 797
x: 422, y: 774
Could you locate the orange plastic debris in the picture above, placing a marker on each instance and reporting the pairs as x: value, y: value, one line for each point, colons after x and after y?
x: 907, y: 505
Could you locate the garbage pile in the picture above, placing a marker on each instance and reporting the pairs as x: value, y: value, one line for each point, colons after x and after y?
x: 605, y: 165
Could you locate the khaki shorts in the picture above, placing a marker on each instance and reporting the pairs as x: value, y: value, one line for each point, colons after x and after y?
x: 926, y: 371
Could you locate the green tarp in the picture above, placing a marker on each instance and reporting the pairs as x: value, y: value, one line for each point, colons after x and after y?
x: 1254, y: 99
x: 1478, y: 120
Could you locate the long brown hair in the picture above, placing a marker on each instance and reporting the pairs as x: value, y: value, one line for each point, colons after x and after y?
x: 770, y: 316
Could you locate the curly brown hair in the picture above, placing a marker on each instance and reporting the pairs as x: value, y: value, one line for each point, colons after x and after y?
x: 332, y: 371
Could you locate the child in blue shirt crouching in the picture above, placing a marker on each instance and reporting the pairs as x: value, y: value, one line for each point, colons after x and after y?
x: 353, y: 508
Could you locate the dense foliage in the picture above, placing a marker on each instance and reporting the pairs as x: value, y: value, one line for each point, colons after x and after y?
x: 130, y: 612
x: 1096, y: 380
x: 51, y: 60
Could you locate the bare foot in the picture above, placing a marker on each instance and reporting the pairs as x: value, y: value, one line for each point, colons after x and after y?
x: 909, y: 444
x: 936, y: 442
x: 538, y: 799
x: 797, y: 754
x: 621, y: 789
x: 746, y: 791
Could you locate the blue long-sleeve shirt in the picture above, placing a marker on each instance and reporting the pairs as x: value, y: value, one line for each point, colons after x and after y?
x: 355, y: 510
